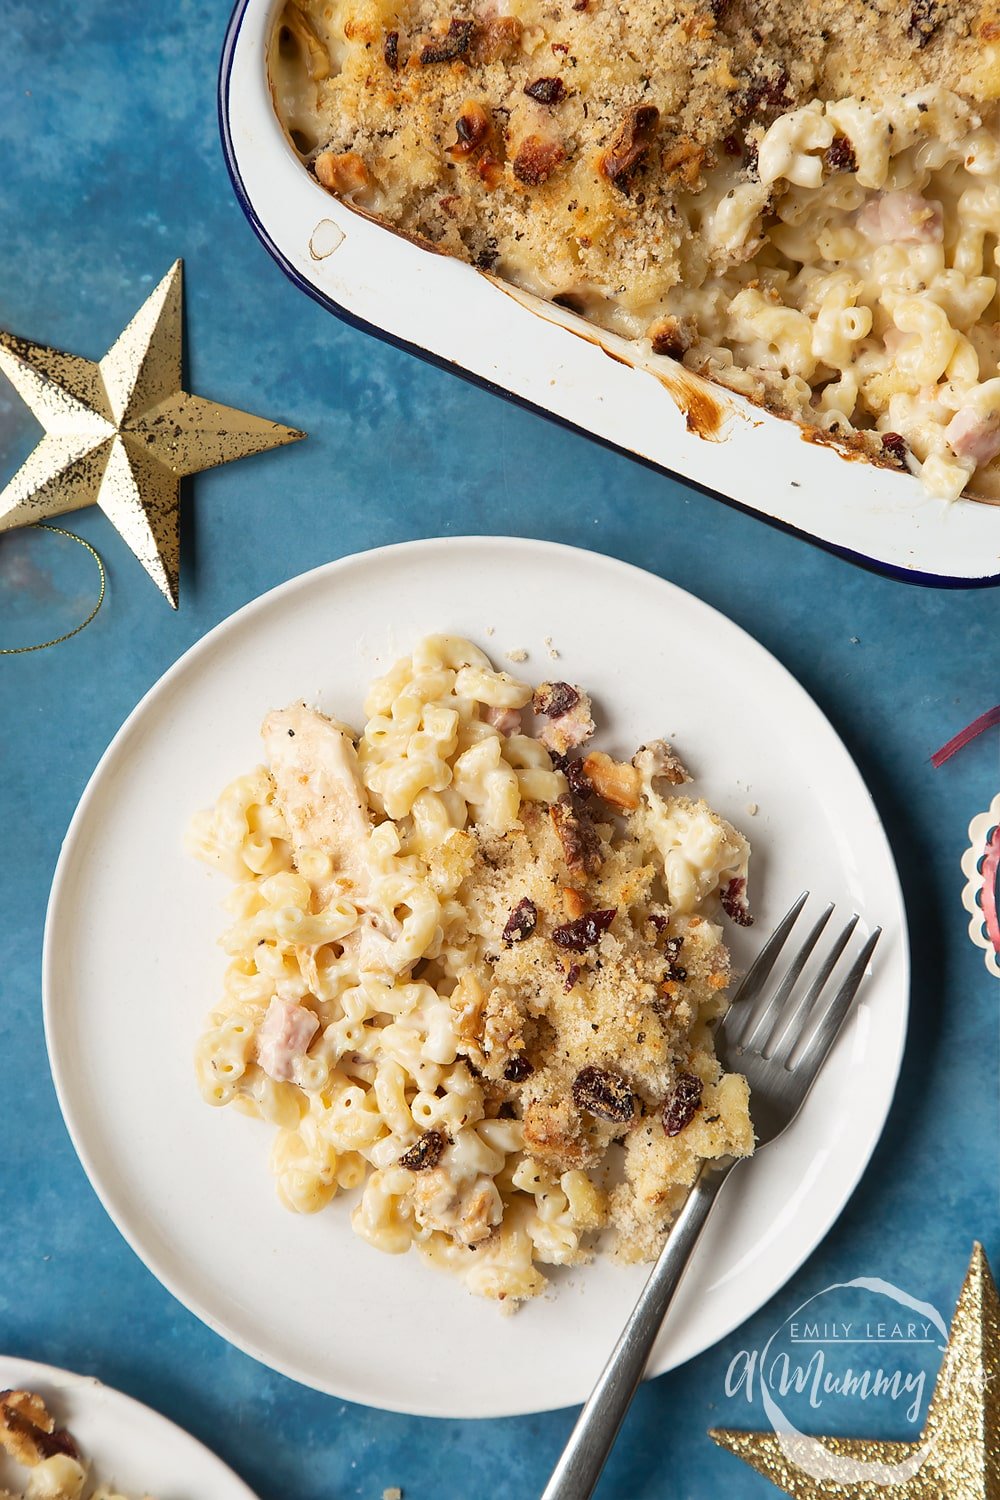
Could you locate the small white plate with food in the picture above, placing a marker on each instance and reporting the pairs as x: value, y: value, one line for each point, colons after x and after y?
x: 68, y: 1437
x: 471, y: 951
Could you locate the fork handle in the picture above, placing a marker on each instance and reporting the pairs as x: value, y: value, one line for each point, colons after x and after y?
x: 585, y: 1454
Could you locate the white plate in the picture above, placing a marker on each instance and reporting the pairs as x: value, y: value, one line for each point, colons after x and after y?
x: 131, y: 967
x: 127, y: 1444
x: 557, y: 363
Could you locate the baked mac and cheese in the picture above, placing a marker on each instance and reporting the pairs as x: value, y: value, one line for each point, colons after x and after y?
x: 473, y: 967
x: 801, y: 202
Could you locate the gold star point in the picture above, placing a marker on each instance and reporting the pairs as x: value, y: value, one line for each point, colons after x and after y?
x: 958, y: 1455
x: 121, y: 433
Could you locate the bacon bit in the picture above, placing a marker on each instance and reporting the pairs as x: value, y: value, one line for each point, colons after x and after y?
x: 424, y: 1153
x: 580, y: 844
x: 490, y: 170
x: 447, y: 204
x: 613, y: 780
x: 573, y: 903
x: 586, y: 931
x: 546, y: 90
x: 734, y: 902
x: 558, y: 47
x: 518, y: 1069
x: 894, y: 447
x: 342, y: 172
x: 603, y: 1093
x: 572, y: 975
x: 390, y: 50
x: 629, y: 146
x: 840, y: 155
x: 472, y: 127
x: 580, y: 4
x: 924, y: 21
x: 454, y: 43
x: 537, y: 159
x: 682, y: 1105
x: 521, y: 922
x: 496, y: 39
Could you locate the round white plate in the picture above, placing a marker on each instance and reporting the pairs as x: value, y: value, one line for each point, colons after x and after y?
x: 131, y: 967
x: 126, y: 1444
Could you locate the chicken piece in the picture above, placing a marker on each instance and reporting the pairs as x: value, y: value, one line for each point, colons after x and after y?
x: 901, y: 218
x: 285, y: 1035
x: 659, y: 758
x: 318, y: 788
x: 469, y: 1212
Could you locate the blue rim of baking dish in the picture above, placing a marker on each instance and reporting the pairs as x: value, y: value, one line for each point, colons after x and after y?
x: 870, y: 564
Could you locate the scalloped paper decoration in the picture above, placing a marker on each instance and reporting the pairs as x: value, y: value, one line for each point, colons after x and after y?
x: 981, y: 868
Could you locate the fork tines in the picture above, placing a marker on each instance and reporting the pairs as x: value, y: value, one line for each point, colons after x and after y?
x: 796, y: 1029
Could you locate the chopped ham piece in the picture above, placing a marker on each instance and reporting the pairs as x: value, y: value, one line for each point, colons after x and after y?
x: 285, y: 1035
x: 901, y: 218
x: 970, y: 435
x: 504, y: 720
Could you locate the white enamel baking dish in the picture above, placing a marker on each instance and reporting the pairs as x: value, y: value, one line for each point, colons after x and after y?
x: 556, y: 363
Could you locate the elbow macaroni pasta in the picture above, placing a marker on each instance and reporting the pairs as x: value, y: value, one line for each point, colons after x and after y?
x: 862, y: 298
x: 381, y: 1063
x: 836, y: 262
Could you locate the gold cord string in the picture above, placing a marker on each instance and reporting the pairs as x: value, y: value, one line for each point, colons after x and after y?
x: 58, y: 639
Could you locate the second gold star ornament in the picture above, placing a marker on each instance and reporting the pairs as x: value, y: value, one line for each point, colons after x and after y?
x: 122, y: 433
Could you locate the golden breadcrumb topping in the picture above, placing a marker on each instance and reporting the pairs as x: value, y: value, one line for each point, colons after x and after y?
x: 794, y: 199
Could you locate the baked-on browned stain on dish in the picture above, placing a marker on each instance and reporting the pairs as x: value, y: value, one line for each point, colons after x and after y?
x: 809, y: 222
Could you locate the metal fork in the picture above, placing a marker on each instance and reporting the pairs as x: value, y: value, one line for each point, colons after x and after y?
x: 778, y: 1040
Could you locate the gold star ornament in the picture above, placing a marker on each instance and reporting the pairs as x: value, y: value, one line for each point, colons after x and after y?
x: 121, y: 433
x: 958, y: 1456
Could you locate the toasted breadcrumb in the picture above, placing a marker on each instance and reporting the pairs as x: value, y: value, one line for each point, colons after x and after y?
x: 667, y: 89
x: 632, y: 1011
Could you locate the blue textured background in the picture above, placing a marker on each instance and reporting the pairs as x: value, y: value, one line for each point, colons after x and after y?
x: 111, y: 168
